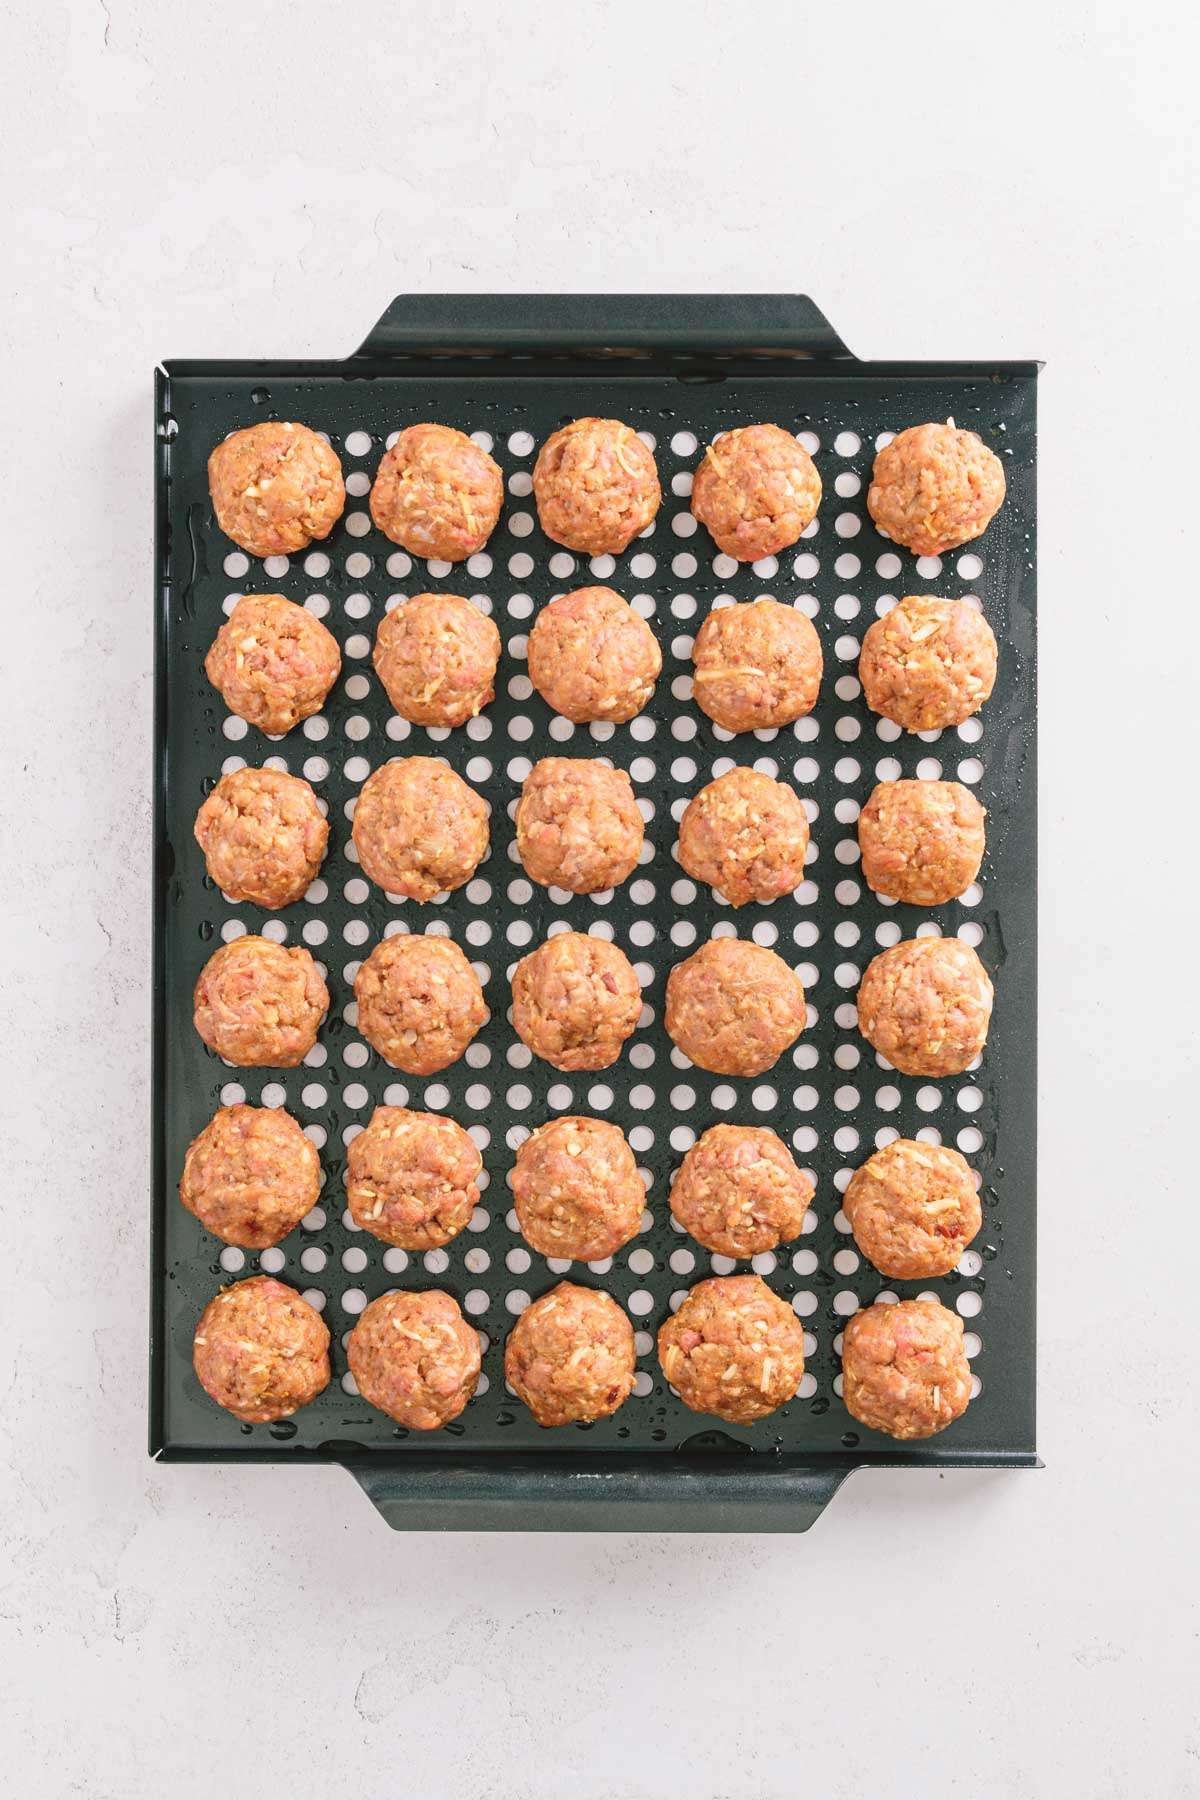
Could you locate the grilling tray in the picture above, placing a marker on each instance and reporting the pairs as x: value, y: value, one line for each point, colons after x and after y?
x: 679, y: 369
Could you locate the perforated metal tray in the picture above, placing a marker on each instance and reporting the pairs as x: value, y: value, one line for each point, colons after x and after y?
x: 678, y: 368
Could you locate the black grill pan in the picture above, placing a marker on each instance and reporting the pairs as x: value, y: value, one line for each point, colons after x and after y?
x: 677, y: 367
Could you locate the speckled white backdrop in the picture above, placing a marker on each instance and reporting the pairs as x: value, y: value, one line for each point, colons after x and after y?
x: 260, y: 178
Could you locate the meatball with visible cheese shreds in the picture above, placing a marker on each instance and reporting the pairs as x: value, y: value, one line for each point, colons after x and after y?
x: 576, y: 1189
x: 746, y: 836
x: 913, y: 1209
x: 922, y: 841
x: 904, y: 1368
x: 419, y: 830
x: 419, y: 1002
x: 411, y: 1178
x: 275, y: 487
x: 925, y: 1005
x: 436, y: 656
x: 570, y: 1356
x: 273, y: 663
x: 437, y: 493
x: 578, y: 825
x: 250, y: 1176
x: 935, y: 487
x: 261, y: 1351
x: 733, y: 1008
x: 734, y: 1349
x: 260, y: 1004
x: 757, y: 490
x: 756, y: 666
x: 415, y: 1357
x: 263, y: 836
x: 739, y: 1192
x: 591, y: 657
x: 575, y: 1000
x: 928, y: 663
x: 596, y: 486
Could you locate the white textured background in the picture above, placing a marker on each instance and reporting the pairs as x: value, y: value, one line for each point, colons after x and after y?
x: 204, y: 179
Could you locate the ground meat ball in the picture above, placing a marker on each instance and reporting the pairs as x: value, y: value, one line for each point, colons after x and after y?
x: 415, y: 1357
x: 745, y: 835
x: 260, y: 1005
x: 419, y: 830
x: 757, y: 491
x: 913, y: 1209
x: 733, y: 1008
x: 250, y: 1176
x: 437, y: 493
x: 261, y: 1351
x: 263, y: 836
x: 411, y: 1178
x: 904, y: 1369
x: 756, y: 666
x: 734, y: 1349
x: 739, y: 1193
x: 596, y: 486
x: 592, y: 657
x: 275, y: 487
x: 926, y: 1004
x: 577, y: 1190
x: 419, y: 1002
x: 578, y: 825
x: 934, y: 487
x: 436, y: 655
x: 575, y: 1000
x: 272, y: 662
x: 928, y: 663
x: 921, y: 841
x: 571, y: 1356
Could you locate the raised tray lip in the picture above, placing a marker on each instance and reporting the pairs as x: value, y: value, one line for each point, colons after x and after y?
x: 446, y: 1460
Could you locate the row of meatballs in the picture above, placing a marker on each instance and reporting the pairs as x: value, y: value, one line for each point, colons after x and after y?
x: 734, y: 1349
x: 278, y: 486
x: 927, y: 664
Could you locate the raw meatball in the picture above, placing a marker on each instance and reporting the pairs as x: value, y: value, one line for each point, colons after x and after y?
x: 921, y: 841
x: 913, y: 1209
x: 745, y: 835
x: 418, y: 828
x: 934, y: 487
x: 596, y: 486
x: 263, y: 836
x: 926, y: 1004
x: 734, y: 1349
x: 260, y: 1005
x: 578, y: 825
x: 738, y: 1191
x: 904, y: 1369
x: 733, y: 1008
x: 436, y: 656
x: 437, y: 493
x: 411, y: 1178
x: 419, y: 1002
x: 757, y: 491
x: 928, y: 663
x: 570, y: 1356
x: 275, y: 487
x: 592, y: 657
x: 756, y: 666
x: 576, y: 1190
x: 251, y: 1176
x: 273, y: 663
x: 575, y: 1000
x: 415, y: 1357
x: 261, y: 1351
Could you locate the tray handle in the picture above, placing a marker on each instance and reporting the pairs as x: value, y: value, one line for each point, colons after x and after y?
x: 708, y: 1495
x: 687, y: 324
